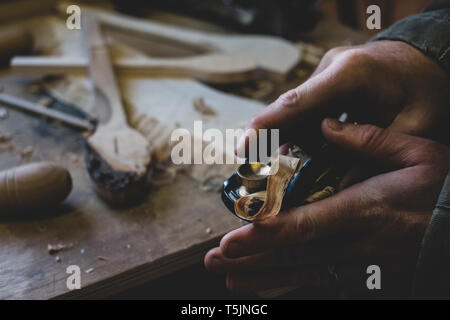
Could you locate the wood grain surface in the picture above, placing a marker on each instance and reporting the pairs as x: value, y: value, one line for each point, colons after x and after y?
x: 119, y: 248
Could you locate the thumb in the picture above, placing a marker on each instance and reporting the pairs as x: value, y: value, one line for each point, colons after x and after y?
x: 375, y: 143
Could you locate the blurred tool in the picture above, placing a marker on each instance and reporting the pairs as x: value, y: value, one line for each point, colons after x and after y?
x: 40, y: 110
x: 32, y: 187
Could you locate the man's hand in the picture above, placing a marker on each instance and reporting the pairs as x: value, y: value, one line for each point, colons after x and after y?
x: 378, y: 221
x: 387, y: 83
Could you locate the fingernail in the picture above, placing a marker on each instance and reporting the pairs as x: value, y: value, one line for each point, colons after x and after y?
x: 334, y: 125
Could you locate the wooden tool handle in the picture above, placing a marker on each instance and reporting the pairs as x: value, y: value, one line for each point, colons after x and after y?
x: 14, y: 41
x: 101, y: 70
x: 33, y: 186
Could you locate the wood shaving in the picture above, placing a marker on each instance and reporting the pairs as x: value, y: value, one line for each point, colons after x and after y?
x: 27, y: 153
x: 3, y: 113
x: 263, y: 89
x: 6, y: 147
x: 164, y: 176
x: 201, y: 107
x: 5, y: 137
x: 34, y: 88
x: 55, y: 248
x: 45, y: 102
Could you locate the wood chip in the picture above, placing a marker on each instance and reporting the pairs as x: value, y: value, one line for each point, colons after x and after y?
x: 45, y: 102
x: 3, y: 113
x: 202, y: 108
x: 55, y: 248
x: 5, y: 137
x: 27, y: 153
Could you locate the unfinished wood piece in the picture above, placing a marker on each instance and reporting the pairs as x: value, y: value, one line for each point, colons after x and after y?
x: 119, y: 157
x: 273, y: 55
x: 213, y: 68
x: 32, y: 187
x: 276, y: 188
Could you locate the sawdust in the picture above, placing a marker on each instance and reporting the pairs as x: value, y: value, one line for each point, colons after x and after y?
x: 5, y: 137
x: 27, y: 153
x: 5, y: 143
x: 3, y: 114
x: 201, y: 107
x: 45, y: 102
x: 259, y: 90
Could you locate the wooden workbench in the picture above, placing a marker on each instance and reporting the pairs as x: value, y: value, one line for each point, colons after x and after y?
x: 119, y: 248
x: 116, y: 249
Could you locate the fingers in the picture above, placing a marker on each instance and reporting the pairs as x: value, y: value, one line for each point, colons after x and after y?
x: 328, y: 217
x: 333, y: 252
x: 375, y: 143
x: 300, y: 110
x: 275, y: 278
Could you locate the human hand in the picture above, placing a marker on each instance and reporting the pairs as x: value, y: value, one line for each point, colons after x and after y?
x: 380, y: 220
x: 386, y: 83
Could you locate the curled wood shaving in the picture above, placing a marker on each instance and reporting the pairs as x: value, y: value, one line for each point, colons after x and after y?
x: 276, y: 188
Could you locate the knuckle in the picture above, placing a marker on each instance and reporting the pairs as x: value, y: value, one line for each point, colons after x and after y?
x: 330, y: 54
x: 436, y: 154
x: 356, y: 57
x: 371, y: 137
x: 289, y: 98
